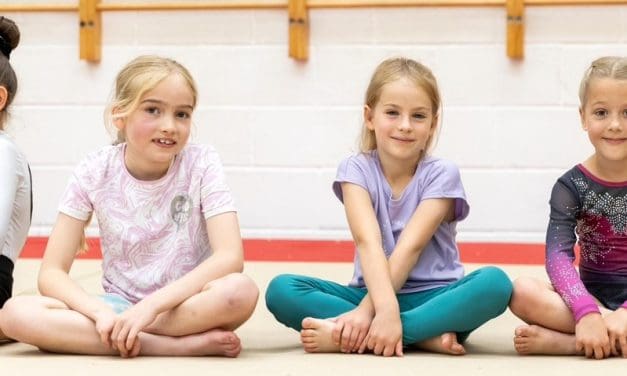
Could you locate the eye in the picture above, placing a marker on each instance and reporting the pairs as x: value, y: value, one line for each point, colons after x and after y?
x: 391, y: 113
x: 152, y: 110
x: 419, y: 116
x: 600, y: 113
x: 183, y: 115
x: 625, y: 113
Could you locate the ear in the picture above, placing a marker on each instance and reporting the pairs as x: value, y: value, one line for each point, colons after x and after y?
x: 119, y: 123
x: 368, y: 117
x: 4, y: 95
x: 117, y: 120
x: 434, y: 124
x: 582, y: 119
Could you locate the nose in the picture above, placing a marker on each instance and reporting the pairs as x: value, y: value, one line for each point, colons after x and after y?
x: 404, y: 123
x: 167, y: 124
x: 615, y: 123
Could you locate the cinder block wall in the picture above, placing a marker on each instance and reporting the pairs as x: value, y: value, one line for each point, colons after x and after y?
x: 281, y: 126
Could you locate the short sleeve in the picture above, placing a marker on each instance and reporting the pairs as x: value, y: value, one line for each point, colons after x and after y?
x: 444, y: 181
x: 75, y: 201
x: 350, y: 170
x: 215, y: 194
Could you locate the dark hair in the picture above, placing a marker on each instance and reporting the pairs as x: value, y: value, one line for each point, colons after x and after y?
x: 9, y: 39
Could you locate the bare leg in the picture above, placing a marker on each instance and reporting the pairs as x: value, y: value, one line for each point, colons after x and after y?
x: 44, y: 322
x: 3, y: 337
x: 316, y: 336
x: 225, y: 303
x: 202, y: 325
x: 552, y: 324
x: 536, y: 302
x: 444, y: 344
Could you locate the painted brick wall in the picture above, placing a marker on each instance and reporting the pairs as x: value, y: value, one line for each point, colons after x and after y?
x: 281, y: 127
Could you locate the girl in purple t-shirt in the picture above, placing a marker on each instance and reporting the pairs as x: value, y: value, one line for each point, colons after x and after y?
x: 402, y: 206
x: 589, y: 204
x: 171, y: 248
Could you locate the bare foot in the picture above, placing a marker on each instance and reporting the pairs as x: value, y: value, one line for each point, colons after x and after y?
x: 316, y: 336
x: 533, y: 339
x: 214, y: 342
x: 444, y: 344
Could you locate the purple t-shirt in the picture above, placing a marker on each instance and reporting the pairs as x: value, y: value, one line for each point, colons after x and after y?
x: 152, y: 232
x: 439, y: 263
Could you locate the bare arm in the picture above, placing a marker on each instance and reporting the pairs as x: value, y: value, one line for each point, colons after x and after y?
x: 227, y: 257
x: 416, y: 235
x: 54, y: 280
x: 364, y: 227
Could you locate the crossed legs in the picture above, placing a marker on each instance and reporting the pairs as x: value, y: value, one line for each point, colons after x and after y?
x: 201, y: 325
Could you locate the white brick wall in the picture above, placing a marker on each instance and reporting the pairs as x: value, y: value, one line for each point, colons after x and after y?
x: 281, y: 126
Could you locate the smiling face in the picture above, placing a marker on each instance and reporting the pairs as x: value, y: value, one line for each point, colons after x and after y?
x: 158, y: 128
x: 403, y: 121
x: 604, y: 117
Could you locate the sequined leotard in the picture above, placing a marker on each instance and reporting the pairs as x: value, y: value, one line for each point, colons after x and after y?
x: 595, y: 211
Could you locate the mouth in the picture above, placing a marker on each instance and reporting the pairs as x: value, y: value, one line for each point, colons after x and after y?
x: 615, y: 141
x: 404, y: 140
x: 164, y: 142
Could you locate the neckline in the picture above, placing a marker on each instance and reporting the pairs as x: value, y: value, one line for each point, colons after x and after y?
x: 147, y: 182
x: 386, y: 184
x: 598, y: 180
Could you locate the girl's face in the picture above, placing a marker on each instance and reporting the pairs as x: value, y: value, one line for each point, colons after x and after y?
x: 604, y: 117
x: 402, y: 121
x: 158, y: 128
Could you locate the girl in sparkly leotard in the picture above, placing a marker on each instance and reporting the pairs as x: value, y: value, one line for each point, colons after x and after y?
x: 585, y: 313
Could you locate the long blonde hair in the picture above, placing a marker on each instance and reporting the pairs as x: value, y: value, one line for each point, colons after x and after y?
x: 603, y: 67
x: 391, y: 70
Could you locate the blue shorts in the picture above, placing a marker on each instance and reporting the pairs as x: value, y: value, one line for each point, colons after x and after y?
x: 116, y: 302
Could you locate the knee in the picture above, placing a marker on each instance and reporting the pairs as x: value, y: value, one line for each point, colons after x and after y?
x: 15, y: 315
x: 498, y: 285
x: 241, y: 292
x: 522, y: 301
x: 276, y: 292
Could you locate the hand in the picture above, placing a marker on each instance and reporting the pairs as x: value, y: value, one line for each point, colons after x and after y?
x: 351, y: 329
x: 616, y: 323
x: 591, y: 336
x: 386, y: 335
x: 128, y: 325
x: 105, y: 320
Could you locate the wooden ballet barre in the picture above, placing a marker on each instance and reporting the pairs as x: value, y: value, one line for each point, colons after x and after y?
x: 283, y: 4
x: 90, y: 11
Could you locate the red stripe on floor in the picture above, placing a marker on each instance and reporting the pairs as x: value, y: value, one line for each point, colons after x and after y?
x: 335, y: 251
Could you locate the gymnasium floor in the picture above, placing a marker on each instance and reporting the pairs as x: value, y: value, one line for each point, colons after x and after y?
x: 271, y: 349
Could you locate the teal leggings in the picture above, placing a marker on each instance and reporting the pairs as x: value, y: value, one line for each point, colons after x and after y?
x: 459, y: 307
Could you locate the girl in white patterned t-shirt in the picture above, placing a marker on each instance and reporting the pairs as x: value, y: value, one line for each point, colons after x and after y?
x: 171, y: 246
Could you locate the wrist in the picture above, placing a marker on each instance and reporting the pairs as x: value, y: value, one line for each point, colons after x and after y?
x: 388, y: 310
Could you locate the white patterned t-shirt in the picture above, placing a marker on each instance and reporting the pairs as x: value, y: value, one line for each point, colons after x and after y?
x: 151, y: 232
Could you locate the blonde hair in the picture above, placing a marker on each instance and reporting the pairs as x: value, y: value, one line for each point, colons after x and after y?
x: 391, y: 70
x: 139, y: 76
x: 604, y: 67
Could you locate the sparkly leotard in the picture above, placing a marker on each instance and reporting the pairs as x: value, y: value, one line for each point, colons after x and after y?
x: 595, y: 211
